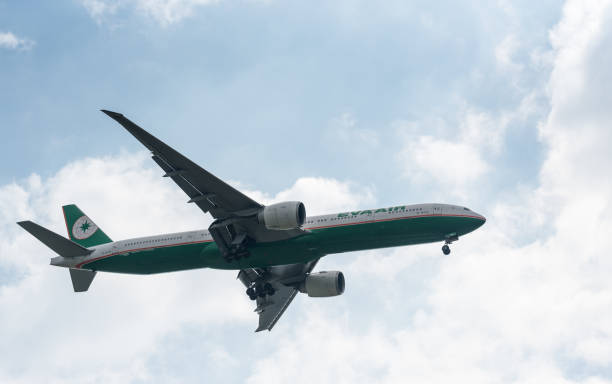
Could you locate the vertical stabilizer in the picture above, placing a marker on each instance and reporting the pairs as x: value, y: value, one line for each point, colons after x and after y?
x: 81, y: 229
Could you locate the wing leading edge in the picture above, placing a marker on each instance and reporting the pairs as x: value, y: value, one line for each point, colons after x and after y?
x: 204, y: 189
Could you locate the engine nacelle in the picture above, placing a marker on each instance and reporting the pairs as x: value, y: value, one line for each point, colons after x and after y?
x: 283, y: 216
x: 323, y: 284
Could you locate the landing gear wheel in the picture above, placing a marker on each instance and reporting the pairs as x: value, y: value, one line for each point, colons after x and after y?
x: 251, y: 293
x: 446, y: 249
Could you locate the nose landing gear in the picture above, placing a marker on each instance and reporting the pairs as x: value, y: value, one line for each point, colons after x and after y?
x: 449, y: 240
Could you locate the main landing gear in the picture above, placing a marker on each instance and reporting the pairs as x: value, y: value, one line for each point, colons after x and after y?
x: 447, y: 241
x: 260, y: 290
x: 232, y: 245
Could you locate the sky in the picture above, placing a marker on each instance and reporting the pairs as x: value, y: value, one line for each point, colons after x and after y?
x: 500, y: 106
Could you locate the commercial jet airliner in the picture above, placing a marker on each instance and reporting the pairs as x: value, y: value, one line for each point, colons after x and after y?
x: 275, y: 247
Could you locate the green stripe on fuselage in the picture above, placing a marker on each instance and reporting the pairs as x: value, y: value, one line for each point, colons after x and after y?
x: 319, y: 242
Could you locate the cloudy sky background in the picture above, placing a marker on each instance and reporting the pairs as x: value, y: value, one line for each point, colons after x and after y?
x: 504, y: 107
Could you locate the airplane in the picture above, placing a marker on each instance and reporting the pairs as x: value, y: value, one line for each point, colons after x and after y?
x: 275, y: 248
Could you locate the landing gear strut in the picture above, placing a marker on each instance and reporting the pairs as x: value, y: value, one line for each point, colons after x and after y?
x: 260, y: 290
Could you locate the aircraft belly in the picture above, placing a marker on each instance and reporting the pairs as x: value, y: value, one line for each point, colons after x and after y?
x: 290, y: 251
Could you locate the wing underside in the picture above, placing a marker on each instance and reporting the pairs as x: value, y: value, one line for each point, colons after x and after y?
x: 235, y: 212
x: 285, y: 280
x: 204, y: 189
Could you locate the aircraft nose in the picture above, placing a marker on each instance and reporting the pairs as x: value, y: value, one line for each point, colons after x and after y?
x: 475, y: 215
x: 481, y: 217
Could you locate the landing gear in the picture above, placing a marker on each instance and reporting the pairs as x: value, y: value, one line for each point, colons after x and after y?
x: 251, y: 293
x: 232, y: 245
x: 448, y: 240
x: 237, y: 255
x: 260, y: 290
x: 269, y: 289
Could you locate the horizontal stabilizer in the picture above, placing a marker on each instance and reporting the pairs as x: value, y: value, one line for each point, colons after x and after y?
x: 61, y: 245
x: 81, y: 279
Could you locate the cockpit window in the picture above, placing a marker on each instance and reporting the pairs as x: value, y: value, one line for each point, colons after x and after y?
x: 466, y: 209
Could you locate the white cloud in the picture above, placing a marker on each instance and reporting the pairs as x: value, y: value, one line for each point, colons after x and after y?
x: 165, y: 12
x: 121, y: 322
x: 98, y: 9
x: 455, y: 158
x: 452, y: 163
x: 458, y: 157
x: 9, y: 41
x: 505, y: 51
x: 345, y: 129
x: 114, y: 325
x: 499, y: 310
x: 322, y: 196
x: 171, y: 11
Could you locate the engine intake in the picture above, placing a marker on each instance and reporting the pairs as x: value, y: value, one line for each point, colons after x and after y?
x: 323, y: 284
x: 283, y: 216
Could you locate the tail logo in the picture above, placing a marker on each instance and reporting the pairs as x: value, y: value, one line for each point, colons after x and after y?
x: 83, y: 228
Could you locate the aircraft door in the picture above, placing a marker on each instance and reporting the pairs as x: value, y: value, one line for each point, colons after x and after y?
x: 436, y: 209
x: 430, y: 209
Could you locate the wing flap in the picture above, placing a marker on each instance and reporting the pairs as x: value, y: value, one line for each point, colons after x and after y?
x: 190, y: 190
x: 271, y: 308
x: 284, y: 280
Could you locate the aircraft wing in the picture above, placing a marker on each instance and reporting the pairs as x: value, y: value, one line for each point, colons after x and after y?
x: 203, y: 188
x: 285, y: 280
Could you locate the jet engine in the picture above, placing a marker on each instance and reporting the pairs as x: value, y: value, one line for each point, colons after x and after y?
x: 323, y: 284
x: 283, y: 216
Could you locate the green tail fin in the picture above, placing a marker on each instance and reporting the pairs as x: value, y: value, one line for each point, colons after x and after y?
x: 81, y: 229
